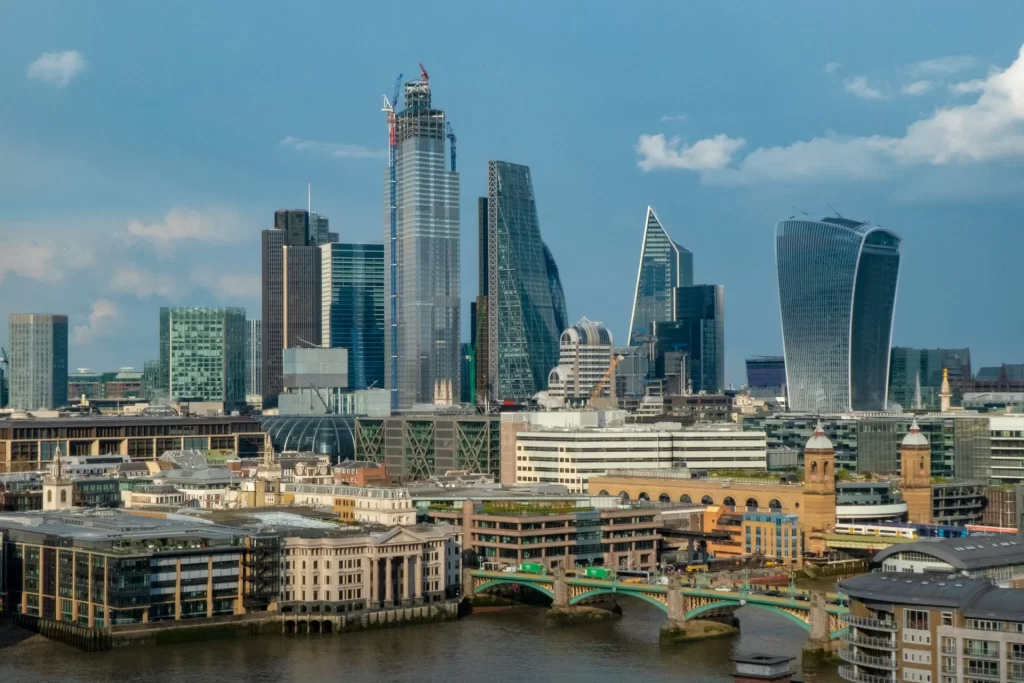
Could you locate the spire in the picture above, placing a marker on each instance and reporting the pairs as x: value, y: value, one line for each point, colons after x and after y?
x: 268, y: 451
x: 945, y: 394
x: 917, y: 392
x: 57, y: 469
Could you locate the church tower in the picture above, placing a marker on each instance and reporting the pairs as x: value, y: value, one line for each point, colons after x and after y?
x: 57, y: 485
x: 916, y: 474
x: 819, y: 508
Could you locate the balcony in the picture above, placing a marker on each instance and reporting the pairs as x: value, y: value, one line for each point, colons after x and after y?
x: 887, y: 663
x: 982, y: 652
x: 981, y: 673
x: 849, y: 673
x: 867, y: 641
x: 870, y: 623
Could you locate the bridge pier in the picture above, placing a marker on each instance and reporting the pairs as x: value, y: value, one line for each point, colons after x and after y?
x: 678, y: 628
x: 819, y: 646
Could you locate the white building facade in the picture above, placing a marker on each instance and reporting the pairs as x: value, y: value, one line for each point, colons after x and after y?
x: 585, y: 352
x: 391, y: 506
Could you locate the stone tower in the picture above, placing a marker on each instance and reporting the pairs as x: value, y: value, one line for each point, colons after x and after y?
x: 819, y: 508
x: 916, y: 474
x: 57, y: 485
x: 944, y: 393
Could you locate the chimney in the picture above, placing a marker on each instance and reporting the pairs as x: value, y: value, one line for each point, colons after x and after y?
x: 759, y: 668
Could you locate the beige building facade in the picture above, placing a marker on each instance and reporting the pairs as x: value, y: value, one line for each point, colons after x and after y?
x: 389, y: 507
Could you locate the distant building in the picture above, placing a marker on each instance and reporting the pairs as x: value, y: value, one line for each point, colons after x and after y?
x: 1005, y: 378
x: 352, y: 303
x: 997, y: 559
x: 664, y: 265
x: 313, y: 381
x: 700, y: 309
x: 917, y: 373
x: 253, y: 358
x: 152, y: 377
x: 837, y: 290
x: 585, y: 354
x: 38, y: 361
x: 766, y: 376
x: 85, y: 382
x: 1006, y: 433
x: 202, y: 354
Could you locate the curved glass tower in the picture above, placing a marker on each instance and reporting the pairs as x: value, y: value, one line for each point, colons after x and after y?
x: 837, y: 291
x: 664, y: 265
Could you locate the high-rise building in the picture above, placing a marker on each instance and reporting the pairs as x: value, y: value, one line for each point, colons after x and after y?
x: 519, y: 278
x: 202, y: 354
x: 352, y: 303
x: 290, y: 290
x: 837, y: 290
x: 253, y: 358
x: 421, y: 230
x: 38, y: 360
x: 917, y: 373
x: 585, y: 353
x: 664, y: 265
x: 766, y: 376
x: 701, y: 309
x: 152, y: 387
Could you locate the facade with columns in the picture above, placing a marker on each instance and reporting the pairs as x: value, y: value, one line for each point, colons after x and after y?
x: 333, y: 572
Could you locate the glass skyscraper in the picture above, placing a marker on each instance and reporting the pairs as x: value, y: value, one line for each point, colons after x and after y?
x: 837, y: 291
x: 664, y: 265
x: 766, y: 376
x: 426, y: 258
x: 352, y: 300
x: 253, y: 358
x: 38, y: 361
x: 202, y: 354
x: 701, y: 310
x: 525, y: 303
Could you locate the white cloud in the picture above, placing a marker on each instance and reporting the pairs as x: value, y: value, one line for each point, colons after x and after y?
x: 213, y: 225
x: 101, y: 321
x: 34, y: 261
x: 56, y: 68
x: 145, y: 284
x: 710, y: 153
x: 859, y: 87
x: 989, y: 129
x: 918, y: 88
x: 942, y: 65
x: 333, y: 149
x: 967, y: 87
x: 680, y: 118
x: 832, y: 67
x: 228, y: 286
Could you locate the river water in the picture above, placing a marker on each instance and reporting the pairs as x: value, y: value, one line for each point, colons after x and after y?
x: 513, y: 645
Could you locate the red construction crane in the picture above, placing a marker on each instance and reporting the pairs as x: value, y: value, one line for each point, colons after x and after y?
x: 423, y: 73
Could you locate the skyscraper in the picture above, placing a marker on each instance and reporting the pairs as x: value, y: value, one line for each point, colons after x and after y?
x: 290, y: 290
x: 421, y: 230
x: 766, y: 376
x: 700, y: 309
x: 525, y: 304
x: 253, y: 358
x: 664, y: 265
x: 203, y: 351
x: 352, y: 301
x: 38, y: 361
x: 837, y: 291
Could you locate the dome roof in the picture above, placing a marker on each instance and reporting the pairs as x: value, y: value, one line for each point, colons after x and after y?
x: 914, y: 437
x: 818, y: 441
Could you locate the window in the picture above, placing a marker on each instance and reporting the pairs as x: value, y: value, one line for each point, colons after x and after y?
x: 947, y: 618
x: 915, y: 619
x: 984, y: 625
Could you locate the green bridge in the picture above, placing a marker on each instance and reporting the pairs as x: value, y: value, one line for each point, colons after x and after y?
x: 821, y: 615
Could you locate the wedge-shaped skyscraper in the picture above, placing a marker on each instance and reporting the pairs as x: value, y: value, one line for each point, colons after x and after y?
x: 837, y: 290
x: 664, y: 265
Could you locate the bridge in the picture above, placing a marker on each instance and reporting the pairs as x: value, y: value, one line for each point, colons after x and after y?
x: 820, y: 615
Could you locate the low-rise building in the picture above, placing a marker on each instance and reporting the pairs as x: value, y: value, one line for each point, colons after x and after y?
x: 203, y: 488
x: 361, y: 473
x: 996, y: 558
x: 387, y: 506
x: 153, y: 495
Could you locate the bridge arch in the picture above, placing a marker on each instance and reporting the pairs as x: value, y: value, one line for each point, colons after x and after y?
x: 707, y: 500
x: 733, y: 604
x: 626, y: 593
x: 515, y: 582
x: 664, y: 498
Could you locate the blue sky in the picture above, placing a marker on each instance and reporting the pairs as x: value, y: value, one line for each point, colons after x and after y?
x: 143, y: 146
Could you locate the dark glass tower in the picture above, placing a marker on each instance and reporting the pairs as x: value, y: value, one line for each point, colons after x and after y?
x: 837, y: 291
x: 700, y: 310
x: 352, y: 314
x: 525, y: 304
x: 664, y: 265
x: 766, y: 376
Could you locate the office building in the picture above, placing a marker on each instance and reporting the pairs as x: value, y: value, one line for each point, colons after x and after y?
x: 352, y: 314
x: 313, y: 381
x: 1006, y: 378
x: 664, y: 265
x: 700, y: 310
x: 631, y: 374
x: 837, y: 290
x: 152, y: 377
x: 38, y: 361
x: 915, y: 376
x: 202, y: 354
x: 291, y: 267
x: 421, y: 237
x: 931, y: 629
x: 1007, y: 443
x: 585, y: 354
x: 253, y: 358
x: 766, y: 376
x: 525, y: 315
x: 467, y: 391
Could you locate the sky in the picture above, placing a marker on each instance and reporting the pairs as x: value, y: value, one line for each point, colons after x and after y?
x: 144, y: 146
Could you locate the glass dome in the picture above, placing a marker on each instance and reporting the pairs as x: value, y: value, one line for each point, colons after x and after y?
x: 332, y: 435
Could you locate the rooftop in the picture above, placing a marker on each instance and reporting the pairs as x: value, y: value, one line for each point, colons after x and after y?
x: 964, y: 554
x: 976, y: 598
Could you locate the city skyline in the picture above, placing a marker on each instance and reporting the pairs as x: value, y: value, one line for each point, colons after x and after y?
x: 180, y: 220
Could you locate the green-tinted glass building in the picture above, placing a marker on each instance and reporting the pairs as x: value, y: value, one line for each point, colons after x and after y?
x: 664, y: 265
x: 352, y: 314
x: 202, y: 354
x: 910, y: 368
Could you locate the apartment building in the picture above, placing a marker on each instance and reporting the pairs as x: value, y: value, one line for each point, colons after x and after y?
x: 932, y: 629
x: 390, y: 507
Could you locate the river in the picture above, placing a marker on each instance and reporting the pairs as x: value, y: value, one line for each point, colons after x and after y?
x: 513, y: 646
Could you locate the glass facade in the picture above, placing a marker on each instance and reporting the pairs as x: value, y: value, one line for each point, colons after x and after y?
x: 766, y: 376
x: 253, y: 358
x: 700, y: 309
x: 38, y: 361
x: 664, y: 265
x: 837, y: 290
x: 332, y: 435
x: 352, y: 301
x: 426, y: 260
x: 525, y: 302
x: 202, y: 353
x: 908, y: 367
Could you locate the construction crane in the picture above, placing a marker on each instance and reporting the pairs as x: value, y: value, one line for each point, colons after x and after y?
x: 423, y: 73
x: 604, y: 380
x: 450, y: 134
